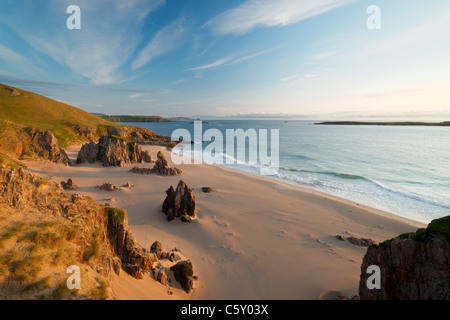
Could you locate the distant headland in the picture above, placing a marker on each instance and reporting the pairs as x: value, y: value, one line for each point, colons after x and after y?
x: 129, y: 118
x: 403, y: 123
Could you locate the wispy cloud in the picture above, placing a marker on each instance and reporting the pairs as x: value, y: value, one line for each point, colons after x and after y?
x: 268, y: 13
x: 229, y: 61
x: 167, y: 39
x: 137, y: 95
x: 214, y: 64
x: 100, y: 50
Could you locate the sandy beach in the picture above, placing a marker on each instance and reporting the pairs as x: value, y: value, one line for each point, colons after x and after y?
x: 253, y: 238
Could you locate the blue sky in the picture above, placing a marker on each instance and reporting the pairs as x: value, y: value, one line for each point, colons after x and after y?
x: 236, y: 58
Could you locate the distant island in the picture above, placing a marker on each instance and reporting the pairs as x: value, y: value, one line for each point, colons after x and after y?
x: 404, y: 123
x: 128, y: 118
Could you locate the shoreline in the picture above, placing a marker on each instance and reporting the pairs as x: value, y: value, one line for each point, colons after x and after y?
x: 253, y: 238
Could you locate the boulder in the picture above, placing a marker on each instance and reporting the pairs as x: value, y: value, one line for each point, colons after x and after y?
x: 184, y: 274
x: 69, y: 185
x: 179, y: 203
x: 156, y: 248
x: 413, y: 266
x: 107, y: 186
x: 207, y: 189
x: 162, y: 276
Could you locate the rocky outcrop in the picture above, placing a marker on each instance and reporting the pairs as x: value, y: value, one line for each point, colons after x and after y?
x: 69, y: 185
x: 184, y: 274
x: 113, y: 151
x: 107, y: 186
x: 414, y: 266
x: 30, y: 143
x: 361, y: 242
x: 179, y: 203
x: 134, y: 259
x: 161, y: 167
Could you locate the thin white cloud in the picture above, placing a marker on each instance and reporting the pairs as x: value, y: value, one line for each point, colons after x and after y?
x: 215, y: 64
x: 167, y: 39
x: 108, y: 37
x: 269, y: 13
x: 228, y: 61
x: 137, y: 95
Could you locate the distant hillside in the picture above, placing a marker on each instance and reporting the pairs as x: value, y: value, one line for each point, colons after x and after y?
x: 128, y: 118
x: 125, y: 118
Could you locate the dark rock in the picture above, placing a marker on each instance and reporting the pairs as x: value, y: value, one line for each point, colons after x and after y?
x: 414, y: 266
x: 113, y: 151
x: 69, y: 185
x: 127, y: 185
x: 207, y: 189
x: 134, y: 259
x: 162, y: 276
x: 161, y: 167
x: 174, y: 257
x: 184, y: 274
x: 179, y: 203
x: 107, y: 186
x: 362, y: 242
x: 157, y: 248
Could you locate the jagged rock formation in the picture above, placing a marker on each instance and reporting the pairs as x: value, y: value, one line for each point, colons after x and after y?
x: 113, y: 151
x: 134, y: 259
x: 107, y: 186
x: 30, y: 143
x: 161, y: 167
x: 69, y: 185
x: 414, y: 266
x: 179, y: 203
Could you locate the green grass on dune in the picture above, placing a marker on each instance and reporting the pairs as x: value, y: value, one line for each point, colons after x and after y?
x: 30, y: 109
x: 33, y: 110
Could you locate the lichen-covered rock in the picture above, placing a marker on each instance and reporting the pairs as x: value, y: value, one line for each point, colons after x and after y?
x: 179, y: 203
x: 113, y: 151
x: 414, y: 266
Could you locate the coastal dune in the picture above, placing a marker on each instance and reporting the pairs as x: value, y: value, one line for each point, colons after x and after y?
x: 253, y: 238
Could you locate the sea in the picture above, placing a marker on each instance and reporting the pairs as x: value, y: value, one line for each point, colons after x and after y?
x: 404, y: 170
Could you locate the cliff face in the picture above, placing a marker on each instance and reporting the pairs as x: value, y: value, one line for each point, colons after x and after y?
x: 414, y: 266
x: 30, y: 143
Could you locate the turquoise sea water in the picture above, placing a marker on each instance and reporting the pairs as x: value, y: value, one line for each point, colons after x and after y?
x: 403, y: 170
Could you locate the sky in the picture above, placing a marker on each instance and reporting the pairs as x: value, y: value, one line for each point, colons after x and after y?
x: 303, y: 59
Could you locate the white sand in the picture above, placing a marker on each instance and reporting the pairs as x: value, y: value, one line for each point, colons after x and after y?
x: 254, y: 238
